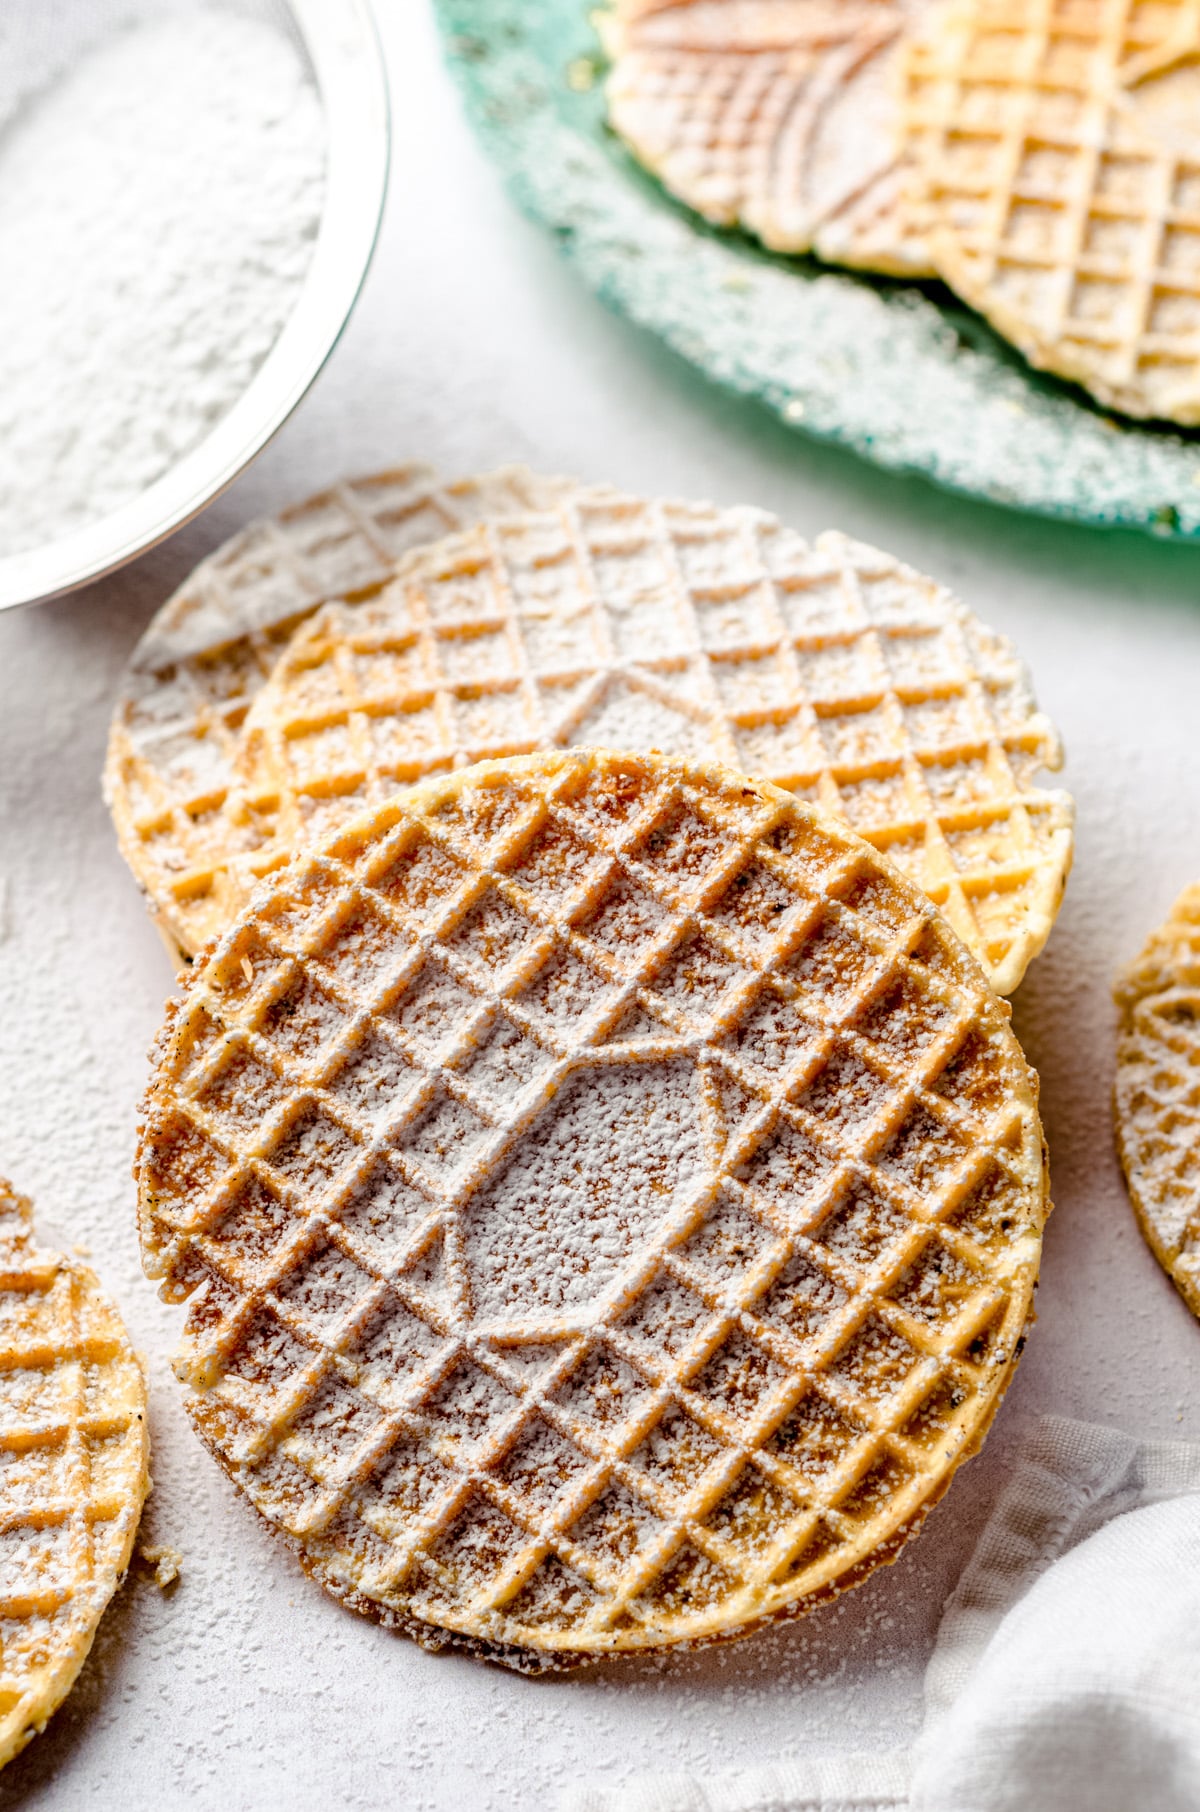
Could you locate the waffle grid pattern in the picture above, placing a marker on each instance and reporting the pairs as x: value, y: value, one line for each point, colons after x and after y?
x: 193, y: 676
x: 1157, y: 1096
x: 73, y: 1458
x: 771, y: 118
x: 828, y: 668
x: 781, y: 1371
x: 1058, y: 145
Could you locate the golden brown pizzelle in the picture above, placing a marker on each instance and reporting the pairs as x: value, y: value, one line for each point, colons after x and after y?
x: 608, y: 1200
x: 780, y: 116
x: 1157, y: 1095
x: 826, y: 666
x: 74, y: 1469
x: 1056, y: 146
x: 195, y: 671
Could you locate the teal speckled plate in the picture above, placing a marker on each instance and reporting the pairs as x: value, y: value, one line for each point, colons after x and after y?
x: 897, y: 371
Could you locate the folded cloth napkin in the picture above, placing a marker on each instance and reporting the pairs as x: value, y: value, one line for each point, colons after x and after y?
x: 1066, y: 1672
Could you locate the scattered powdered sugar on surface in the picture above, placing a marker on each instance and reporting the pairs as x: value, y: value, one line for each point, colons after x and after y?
x: 245, y: 1684
x: 158, y: 209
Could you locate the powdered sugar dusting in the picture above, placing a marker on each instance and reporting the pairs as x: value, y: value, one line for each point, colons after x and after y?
x: 193, y: 675
x: 652, y: 1222
x: 73, y: 1469
x: 158, y: 209
x: 1158, y: 1091
x: 827, y: 667
x: 615, y: 1151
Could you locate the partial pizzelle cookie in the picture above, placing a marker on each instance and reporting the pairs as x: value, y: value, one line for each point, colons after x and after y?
x: 781, y: 116
x: 1057, y: 151
x: 608, y: 1200
x: 1170, y: 959
x: 827, y: 667
x: 203, y: 657
x: 1157, y: 1095
x: 74, y: 1459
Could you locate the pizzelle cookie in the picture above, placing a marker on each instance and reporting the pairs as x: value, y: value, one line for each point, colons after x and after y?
x: 74, y: 1457
x: 199, y: 664
x: 608, y: 1200
x: 781, y: 116
x: 1058, y: 146
x: 1157, y: 1098
x: 827, y: 667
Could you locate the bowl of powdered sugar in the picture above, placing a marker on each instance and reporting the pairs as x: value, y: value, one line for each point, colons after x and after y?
x: 189, y: 198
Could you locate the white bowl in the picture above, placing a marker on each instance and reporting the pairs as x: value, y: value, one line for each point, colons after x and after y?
x: 339, y: 37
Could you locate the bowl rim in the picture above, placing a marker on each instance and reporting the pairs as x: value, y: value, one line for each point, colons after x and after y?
x: 343, y: 47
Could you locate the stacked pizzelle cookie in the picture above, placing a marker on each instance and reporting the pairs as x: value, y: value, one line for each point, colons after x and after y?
x: 1042, y: 156
x: 590, y: 1143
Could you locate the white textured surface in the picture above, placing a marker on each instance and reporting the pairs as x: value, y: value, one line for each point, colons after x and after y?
x: 246, y: 1686
x: 159, y: 204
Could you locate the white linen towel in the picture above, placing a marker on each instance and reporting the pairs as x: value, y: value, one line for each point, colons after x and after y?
x: 1066, y: 1673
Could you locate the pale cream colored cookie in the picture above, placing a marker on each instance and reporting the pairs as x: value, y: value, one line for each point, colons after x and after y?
x: 1158, y: 1092
x: 1058, y: 150
x: 608, y: 1199
x: 827, y: 667
x: 781, y: 116
x: 198, y: 666
x: 74, y: 1457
